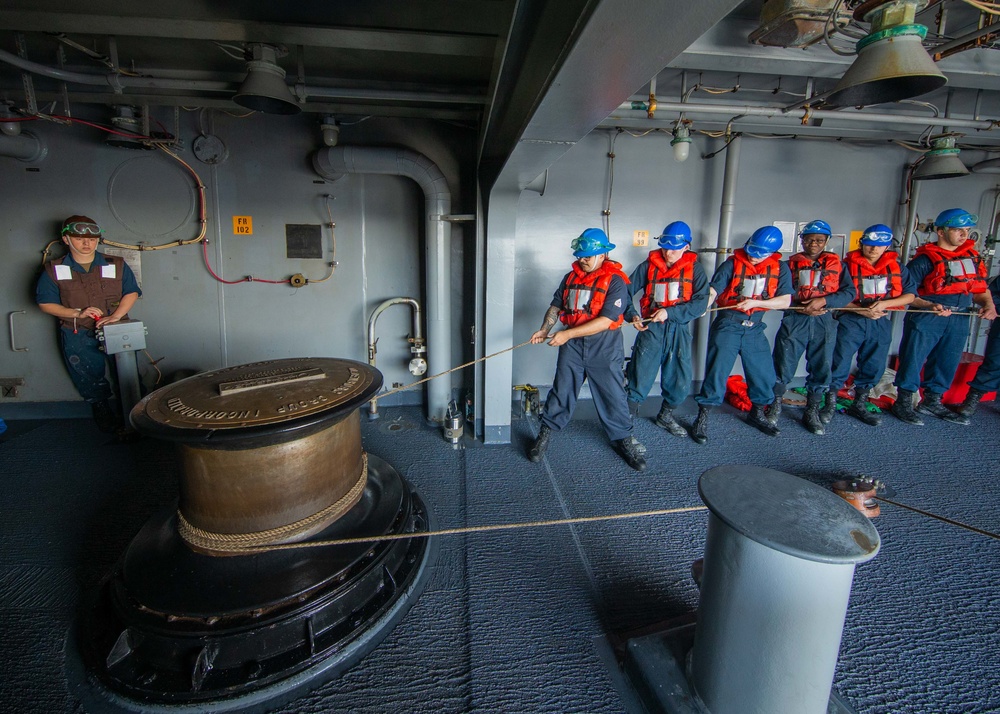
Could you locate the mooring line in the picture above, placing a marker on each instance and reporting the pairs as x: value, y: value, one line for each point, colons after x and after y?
x: 472, y: 529
x: 943, y: 519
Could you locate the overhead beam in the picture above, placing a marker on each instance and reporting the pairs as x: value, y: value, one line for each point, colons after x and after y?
x: 419, y: 42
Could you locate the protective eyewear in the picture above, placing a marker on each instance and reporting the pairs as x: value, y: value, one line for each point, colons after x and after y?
x: 83, y: 229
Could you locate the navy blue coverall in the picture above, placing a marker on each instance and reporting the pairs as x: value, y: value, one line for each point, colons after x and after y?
x: 813, y: 334
x: 598, y: 358
x: 86, y: 363
x: 736, y: 333
x: 869, y: 339
x: 987, y: 377
x: 932, y: 342
x: 664, y: 346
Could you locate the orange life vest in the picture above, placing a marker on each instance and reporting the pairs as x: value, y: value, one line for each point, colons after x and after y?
x: 815, y: 278
x: 584, y: 293
x: 956, y: 272
x: 667, y: 285
x: 757, y: 282
x: 872, y: 283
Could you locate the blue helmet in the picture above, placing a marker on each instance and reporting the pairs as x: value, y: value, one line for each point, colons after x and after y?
x: 816, y: 227
x: 675, y: 236
x: 879, y: 235
x: 592, y: 241
x: 763, y: 242
x: 955, y: 218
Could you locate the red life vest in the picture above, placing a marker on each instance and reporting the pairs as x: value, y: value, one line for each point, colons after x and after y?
x: 583, y: 296
x: 757, y: 282
x: 956, y: 272
x: 872, y: 283
x: 815, y: 278
x: 667, y: 285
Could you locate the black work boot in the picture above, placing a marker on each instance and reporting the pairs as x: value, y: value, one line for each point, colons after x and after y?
x: 773, y: 410
x: 629, y: 449
x: 931, y: 404
x: 665, y: 420
x: 538, y: 448
x: 829, y: 407
x: 972, y: 399
x: 811, y: 418
x: 903, y: 408
x: 104, y: 415
x: 699, y: 430
x: 859, y: 408
x: 757, y: 419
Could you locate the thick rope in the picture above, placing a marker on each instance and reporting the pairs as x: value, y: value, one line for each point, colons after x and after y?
x: 241, y: 542
x: 471, y: 529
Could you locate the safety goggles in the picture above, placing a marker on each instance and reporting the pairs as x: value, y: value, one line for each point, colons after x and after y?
x: 83, y: 228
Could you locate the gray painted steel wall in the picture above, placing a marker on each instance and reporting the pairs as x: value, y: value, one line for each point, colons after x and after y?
x: 193, y: 320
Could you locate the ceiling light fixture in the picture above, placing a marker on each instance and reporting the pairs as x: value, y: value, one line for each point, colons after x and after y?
x: 941, y: 161
x: 264, y: 89
x: 681, y: 141
x: 892, y: 63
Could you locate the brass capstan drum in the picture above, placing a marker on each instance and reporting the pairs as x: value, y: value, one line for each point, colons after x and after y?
x: 212, y: 603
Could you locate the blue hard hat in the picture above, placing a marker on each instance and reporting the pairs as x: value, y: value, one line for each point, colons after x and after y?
x: 763, y: 242
x: 592, y: 241
x: 879, y: 235
x: 816, y: 227
x: 675, y: 236
x: 955, y: 218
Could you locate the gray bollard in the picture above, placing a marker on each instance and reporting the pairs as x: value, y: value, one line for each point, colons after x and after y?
x: 779, y: 563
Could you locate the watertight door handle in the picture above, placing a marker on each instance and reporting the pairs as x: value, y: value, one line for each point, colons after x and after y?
x: 13, y: 342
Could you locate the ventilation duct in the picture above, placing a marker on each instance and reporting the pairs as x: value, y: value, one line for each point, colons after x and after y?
x: 941, y: 161
x: 264, y: 89
x: 892, y: 63
x: 24, y: 147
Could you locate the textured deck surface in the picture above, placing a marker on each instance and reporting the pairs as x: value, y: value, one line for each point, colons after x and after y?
x: 518, y: 621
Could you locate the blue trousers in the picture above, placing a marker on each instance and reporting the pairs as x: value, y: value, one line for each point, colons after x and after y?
x: 935, y: 344
x: 814, y: 335
x: 987, y: 377
x: 86, y: 363
x: 664, y: 346
x: 728, y: 339
x: 600, y: 359
x: 870, y: 341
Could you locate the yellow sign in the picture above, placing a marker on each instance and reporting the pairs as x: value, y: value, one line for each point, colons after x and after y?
x: 855, y: 243
x: 640, y: 239
x: 243, y: 225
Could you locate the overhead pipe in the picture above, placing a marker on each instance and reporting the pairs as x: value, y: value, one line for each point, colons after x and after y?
x: 24, y: 147
x: 118, y: 82
x: 418, y: 364
x: 334, y: 162
x: 776, y: 112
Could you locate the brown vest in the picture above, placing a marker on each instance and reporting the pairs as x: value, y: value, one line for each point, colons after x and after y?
x: 88, y: 289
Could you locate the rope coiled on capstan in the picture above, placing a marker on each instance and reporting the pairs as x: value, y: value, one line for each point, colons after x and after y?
x: 240, y: 542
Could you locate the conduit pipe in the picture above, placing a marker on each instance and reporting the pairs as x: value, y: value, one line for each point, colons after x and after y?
x: 417, y: 339
x: 24, y: 147
x: 118, y: 82
x: 332, y: 163
x: 726, y: 210
x: 778, y: 112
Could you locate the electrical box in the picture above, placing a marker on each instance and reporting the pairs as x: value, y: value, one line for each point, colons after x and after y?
x: 125, y: 336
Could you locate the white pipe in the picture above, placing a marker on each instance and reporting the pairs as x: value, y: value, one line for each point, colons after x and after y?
x: 779, y: 112
x: 335, y: 161
x: 418, y: 336
x: 24, y: 147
